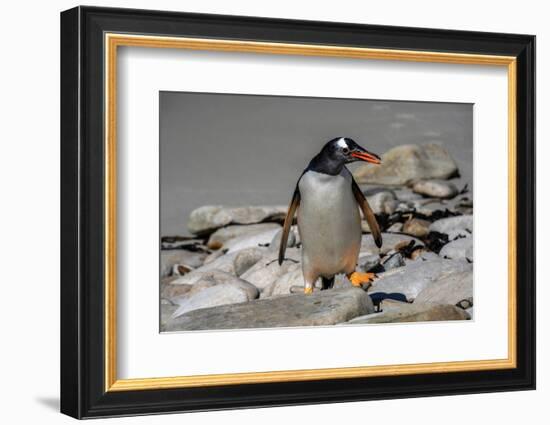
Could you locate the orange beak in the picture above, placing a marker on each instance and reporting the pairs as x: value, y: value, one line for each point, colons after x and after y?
x: 367, y: 156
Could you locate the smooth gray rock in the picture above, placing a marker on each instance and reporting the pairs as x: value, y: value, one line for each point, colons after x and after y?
x: 421, y: 312
x: 406, y: 195
x: 261, y: 239
x: 435, y: 189
x: 449, y: 290
x: 208, y: 218
x: 282, y: 285
x: 267, y: 269
x: 382, y: 202
x: 416, y: 276
x: 395, y: 228
x: 393, y: 261
x: 224, y: 263
x: 293, y: 239
x: 172, y: 257
x: 213, y: 296
x: 166, y: 312
x: 406, y: 163
x: 216, y: 277
x: 461, y: 248
x: 221, y: 236
x: 367, y: 262
x: 462, y: 225
x: 416, y: 227
x: 389, y: 241
x: 318, y: 309
x: 246, y: 258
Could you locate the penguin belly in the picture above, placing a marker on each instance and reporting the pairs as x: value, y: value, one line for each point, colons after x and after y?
x: 329, y: 224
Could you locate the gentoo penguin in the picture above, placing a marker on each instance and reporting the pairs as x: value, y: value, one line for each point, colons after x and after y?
x: 328, y: 200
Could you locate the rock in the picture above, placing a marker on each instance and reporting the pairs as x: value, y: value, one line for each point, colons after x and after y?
x: 395, y: 228
x: 170, y: 291
x: 166, y: 312
x: 170, y: 258
x: 216, y: 277
x: 256, y: 240
x: 406, y: 195
x: 225, y: 263
x: 208, y: 218
x: 393, y: 261
x: 451, y: 289
x: 421, y: 312
x: 416, y: 276
x: 282, y: 285
x: 405, y: 163
x: 470, y: 311
x: 461, y: 248
x: 246, y: 258
x: 213, y: 296
x: 221, y: 236
x: 428, y: 208
x: 267, y: 269
x: 382, y: 202
x: 318, y: 309
x: 389, y: 241
x: 416, y: 227
x: 424, y: 255
x: 367, y: 262
x: 182, y: 242
x: 436, y: 189
x: 293, y: 239
x: 462, y: 225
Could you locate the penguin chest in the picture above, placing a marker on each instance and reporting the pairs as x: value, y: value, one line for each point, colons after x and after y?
x: 329, y: 223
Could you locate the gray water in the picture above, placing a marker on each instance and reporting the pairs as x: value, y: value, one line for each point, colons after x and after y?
x: 250, y: 150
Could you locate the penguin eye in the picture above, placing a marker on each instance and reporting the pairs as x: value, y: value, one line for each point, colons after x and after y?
x: 345, y: 150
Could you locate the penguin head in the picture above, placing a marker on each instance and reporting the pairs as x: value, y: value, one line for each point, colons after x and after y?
x: 346, y: 150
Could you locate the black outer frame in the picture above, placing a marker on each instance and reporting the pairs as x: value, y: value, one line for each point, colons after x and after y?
x: 82, y: 219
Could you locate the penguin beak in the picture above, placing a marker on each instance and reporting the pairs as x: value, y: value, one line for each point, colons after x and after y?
x: 367, y: 156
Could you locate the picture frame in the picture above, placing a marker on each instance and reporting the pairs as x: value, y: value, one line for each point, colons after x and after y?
x: 90, y: 40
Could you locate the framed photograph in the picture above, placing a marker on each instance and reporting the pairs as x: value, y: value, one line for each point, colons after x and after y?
x: 261, y: 212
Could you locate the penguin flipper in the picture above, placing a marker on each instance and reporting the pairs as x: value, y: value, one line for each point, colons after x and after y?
x: 368, y: 213
x: 294, y: 203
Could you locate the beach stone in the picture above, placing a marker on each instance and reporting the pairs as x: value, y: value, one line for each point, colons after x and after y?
x: 436, y: 189
x: 406, y: 163
x: 424, y: 255
x: 171, y: 291
x: 221, y: 236
x: 282, y: 285
x: 262, y: 239
x: 246, y: 258
x: 217, y: 277
x: 293, y: 238
x: 267, y: 269
x: 382, y: 202
x: 462, y: 225
x: 216, y: 295
x: 172, y: 257
x: 461, y: 248
x: 416, y: 227
x: 166, y: 312
x: 421, y: 312
x: 225, y: 263
x: 416, y: 276
x: 395, y: 228
x: 406, y: 195
x: 318, y: 309
x: 206, y: 219
x: 451, y: 289
x: 389, y: 242
x: 367, y: 262
x: 393, y: 261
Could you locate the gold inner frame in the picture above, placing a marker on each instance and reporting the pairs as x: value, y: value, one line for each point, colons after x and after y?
x: 113, y: 41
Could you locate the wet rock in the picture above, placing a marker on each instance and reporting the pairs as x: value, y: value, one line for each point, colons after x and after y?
x: 208, y: 218
x: 267, y: 270
x: 221, y: 236
x: 462, y: 225
x: 417, y: 276
x: 170, y: 258
x: 421, y: 312
x: 436, y: 189
x: 405, y: 163
x: 262, y: 239
x: 451, y: 289
x: 461, y: 248
x: 318, y: 309
x: 389, y: 242
x: 416, y: 227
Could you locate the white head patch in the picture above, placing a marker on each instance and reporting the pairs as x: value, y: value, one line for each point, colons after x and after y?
x: 342, y: 143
